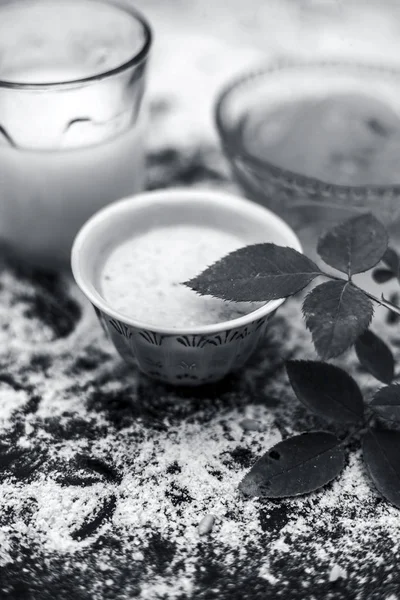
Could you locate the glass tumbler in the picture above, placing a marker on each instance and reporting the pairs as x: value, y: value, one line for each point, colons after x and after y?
x: 72, y: 78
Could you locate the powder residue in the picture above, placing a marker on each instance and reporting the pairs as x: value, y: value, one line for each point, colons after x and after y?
x: 107, y: 478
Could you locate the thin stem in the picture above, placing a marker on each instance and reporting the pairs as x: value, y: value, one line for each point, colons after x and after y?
x: 394, y: 308
x: 361, y: 429
x: 382, y: 300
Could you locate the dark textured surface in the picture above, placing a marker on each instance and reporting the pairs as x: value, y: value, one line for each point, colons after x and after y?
x: 80, y: 424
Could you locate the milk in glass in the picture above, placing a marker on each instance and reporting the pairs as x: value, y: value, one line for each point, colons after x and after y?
x: 71, y: 124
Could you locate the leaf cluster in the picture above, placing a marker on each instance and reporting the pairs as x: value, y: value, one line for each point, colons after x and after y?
x: 306, y: 462
x: 337, y: 311
x: 338, y: 314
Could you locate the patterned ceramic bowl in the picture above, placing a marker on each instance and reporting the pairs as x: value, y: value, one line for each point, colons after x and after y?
x: 177, y: 356
x: 304, y: 202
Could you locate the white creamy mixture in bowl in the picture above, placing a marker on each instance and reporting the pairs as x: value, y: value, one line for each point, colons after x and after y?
x: 143, y: 276
x: 131, y: 259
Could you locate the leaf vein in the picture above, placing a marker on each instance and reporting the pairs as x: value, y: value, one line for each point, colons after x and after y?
x: 301, y: 463
x: 333, y: 329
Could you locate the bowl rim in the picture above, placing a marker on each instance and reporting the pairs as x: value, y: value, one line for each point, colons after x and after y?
x: 225, y: 200
x: 255, y: 164
x: 135, y: 59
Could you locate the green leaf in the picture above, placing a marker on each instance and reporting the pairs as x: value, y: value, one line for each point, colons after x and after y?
x: 256, y: 273
x: 391, y: 260
x: 382, y: 275
x: 375, y: 356
x: 336, y: 313
x: 354, y: 246
x: 381, y: 450
x: 386, y: 402
x: 326, y: 390
x: 297, y: 465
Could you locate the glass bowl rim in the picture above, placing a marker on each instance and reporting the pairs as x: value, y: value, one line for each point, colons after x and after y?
x: 255, y: 164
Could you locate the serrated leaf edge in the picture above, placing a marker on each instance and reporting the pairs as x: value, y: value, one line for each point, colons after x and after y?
x: 357, y: 351
x: 349, y: 272
x: 376, y: 405
x: 387, y: 461
x: 359, y: 416
x: 346, y: 283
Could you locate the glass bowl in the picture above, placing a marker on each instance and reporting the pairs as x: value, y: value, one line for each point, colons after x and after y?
x: 309, y: 204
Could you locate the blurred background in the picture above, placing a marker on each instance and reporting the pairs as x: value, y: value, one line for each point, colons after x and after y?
x: 200, y: 44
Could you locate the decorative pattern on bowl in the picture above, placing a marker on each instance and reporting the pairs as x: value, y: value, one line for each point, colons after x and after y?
x: 185, y: 359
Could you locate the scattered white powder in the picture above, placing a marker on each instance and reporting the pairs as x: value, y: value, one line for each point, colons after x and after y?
x: 178, y: 459
x: 5, y: 547
x: 266, y: 574
x: 142, y: 277
x: 10, y: 401
x: 337, y: 572
x: 17, y: 295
